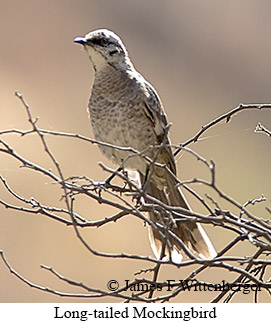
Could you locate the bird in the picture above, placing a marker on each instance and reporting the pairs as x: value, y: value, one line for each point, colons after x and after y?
x: 126, y: 111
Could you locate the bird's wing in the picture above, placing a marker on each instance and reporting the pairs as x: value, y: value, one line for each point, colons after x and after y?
x: 155, y: 112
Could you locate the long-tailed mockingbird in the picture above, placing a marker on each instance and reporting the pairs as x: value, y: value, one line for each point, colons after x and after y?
x: 125, y: 111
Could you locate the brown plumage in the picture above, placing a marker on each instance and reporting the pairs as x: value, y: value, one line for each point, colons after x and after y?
x: 126, y: 111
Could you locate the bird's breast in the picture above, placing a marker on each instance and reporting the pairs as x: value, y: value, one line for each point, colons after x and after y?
x: 118, y: 118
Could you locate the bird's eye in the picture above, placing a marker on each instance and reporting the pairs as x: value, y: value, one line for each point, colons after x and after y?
x: 103, y: 42
x: 99, y: 41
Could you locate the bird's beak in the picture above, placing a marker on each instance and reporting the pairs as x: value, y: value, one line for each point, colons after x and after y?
x: 80, y: 40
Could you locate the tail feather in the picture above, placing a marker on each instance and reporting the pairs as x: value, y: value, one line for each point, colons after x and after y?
x: 190, y: 233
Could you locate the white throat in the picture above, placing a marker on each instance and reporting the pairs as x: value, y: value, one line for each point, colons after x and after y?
x: 96, y: 58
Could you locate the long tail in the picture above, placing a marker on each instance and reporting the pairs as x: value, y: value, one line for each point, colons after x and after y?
x: 191, y: 234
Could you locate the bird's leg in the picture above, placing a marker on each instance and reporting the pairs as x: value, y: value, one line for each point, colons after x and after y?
x: 143, y: 185
x: 107, y: 182
x: 146, y: 179
x: 109, y: 179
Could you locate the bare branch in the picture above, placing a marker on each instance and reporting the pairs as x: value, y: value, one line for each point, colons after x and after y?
x: 262, y: 129
x: 227, y: 117
x: 128, y: 199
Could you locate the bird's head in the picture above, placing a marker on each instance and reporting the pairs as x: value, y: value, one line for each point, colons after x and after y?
x: 104, y: 47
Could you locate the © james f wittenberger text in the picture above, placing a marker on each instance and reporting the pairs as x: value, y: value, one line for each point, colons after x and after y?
x: 192, y: 285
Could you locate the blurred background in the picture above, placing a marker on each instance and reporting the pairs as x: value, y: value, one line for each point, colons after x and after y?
x: 203, y: 57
